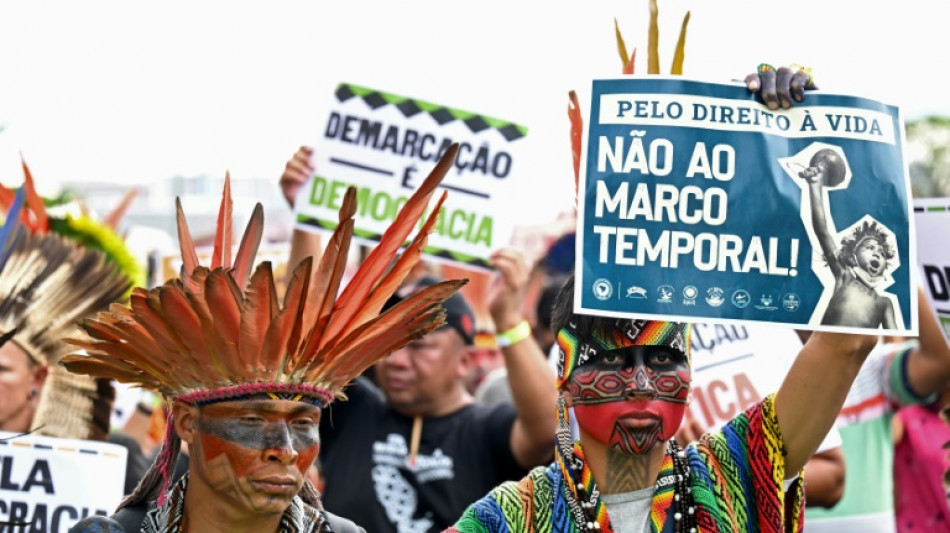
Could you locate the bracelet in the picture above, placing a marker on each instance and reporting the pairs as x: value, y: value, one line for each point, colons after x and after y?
x: 514, y: 335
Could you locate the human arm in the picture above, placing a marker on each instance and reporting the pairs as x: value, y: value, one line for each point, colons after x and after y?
x: 889, y: 322
x: 810, y: 397
x: 296, y: 173
x: 824, y: 478
x: 819, y: 222
x: 303, y: 244
x: 928, y: 365
x: 532, y: 382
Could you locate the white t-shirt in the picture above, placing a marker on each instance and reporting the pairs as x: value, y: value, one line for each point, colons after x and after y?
x: 629, y: 512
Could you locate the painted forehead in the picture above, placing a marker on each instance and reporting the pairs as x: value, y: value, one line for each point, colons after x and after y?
x: 263, y: 406
x: 576, y: 347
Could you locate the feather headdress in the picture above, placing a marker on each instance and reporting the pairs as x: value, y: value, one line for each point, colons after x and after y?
x: 220, y: 332
x: 47, y: 283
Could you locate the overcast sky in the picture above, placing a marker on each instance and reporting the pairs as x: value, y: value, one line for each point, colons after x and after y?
x: 116, y: 91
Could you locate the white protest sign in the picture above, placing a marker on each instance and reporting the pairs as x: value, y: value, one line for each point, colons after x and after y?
x: 736, y: 366
x: 385, y: 145
x: 933, y: 255
x: 49, y: 484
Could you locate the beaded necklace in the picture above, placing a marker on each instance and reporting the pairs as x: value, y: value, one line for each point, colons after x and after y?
x: 671, y: 491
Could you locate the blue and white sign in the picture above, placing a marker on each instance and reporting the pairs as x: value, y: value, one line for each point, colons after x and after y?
x: 699, y: 203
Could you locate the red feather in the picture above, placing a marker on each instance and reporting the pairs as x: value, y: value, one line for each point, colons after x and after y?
x: 40, y: 222
x: 275, y: 349
x: 577, y: 133
x: 295, y: 303
x: 6, y: 198
x: 184, y: 321
x: 260, y: 303
x: 107, y: 367
x: 394, y: 278
x: 221, y: 257
x: 189, y: 257
x: 326, y: 280
x: 224, y: 300
x: 363, y: 345
x: 247, y: 251
x: 380, y: 258
x: 114, y: 217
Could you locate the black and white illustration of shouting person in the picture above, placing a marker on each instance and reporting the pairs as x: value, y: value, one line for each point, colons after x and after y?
x: 856, y: 264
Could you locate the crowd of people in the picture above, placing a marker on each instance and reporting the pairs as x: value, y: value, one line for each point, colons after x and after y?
x: 379, y: 404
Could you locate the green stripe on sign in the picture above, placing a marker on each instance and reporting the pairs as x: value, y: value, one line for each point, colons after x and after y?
x: 937, y: 208
x: 319, y: 222
x: 508, y: 129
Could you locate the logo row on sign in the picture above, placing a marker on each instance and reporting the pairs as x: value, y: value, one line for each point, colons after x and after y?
x: 603, y: 289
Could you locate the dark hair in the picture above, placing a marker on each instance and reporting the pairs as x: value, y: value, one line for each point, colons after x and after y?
x: 563, y: 310
x: 546, y: 300
x: 864, y: 231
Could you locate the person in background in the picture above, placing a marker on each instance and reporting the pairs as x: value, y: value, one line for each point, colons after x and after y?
x: 895, y: 374
x: 920, y: 460
x: 417, y: 447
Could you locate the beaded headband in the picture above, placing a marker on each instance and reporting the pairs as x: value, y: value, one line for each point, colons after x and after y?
x: 576, y: 344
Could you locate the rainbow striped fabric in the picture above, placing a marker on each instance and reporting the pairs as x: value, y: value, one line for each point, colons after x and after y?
x: 736, y: 475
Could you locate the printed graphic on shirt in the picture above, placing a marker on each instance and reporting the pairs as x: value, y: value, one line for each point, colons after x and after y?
x: 395, y: 481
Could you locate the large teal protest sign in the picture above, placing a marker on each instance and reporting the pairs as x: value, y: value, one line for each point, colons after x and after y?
x: 700, y: 203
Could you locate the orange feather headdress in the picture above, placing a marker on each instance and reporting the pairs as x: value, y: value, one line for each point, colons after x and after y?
x: 220, y: 332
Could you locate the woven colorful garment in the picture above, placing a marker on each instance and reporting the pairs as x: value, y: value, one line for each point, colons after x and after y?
x: 736, y: 476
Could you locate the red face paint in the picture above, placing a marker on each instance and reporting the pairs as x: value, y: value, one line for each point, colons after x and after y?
x: 257, y: 451
x: 631, y: 398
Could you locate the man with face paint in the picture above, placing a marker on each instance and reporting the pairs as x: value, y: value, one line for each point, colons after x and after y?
x: 632, y: 394
x: 248, y: 375
x: 628, y: 382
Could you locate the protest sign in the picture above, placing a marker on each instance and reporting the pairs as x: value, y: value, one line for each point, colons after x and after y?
x: 698, y: 203
x: 49, y: 484
x: 385, y: 145
x: 735, y: 366
x: 933, y: 255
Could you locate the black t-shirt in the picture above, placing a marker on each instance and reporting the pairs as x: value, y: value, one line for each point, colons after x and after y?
x: 365, y: 451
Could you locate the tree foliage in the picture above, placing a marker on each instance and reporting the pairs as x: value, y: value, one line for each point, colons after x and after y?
x: 928, y: 155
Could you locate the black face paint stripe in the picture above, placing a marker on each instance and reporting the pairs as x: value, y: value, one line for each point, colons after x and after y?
x: 274, y: 434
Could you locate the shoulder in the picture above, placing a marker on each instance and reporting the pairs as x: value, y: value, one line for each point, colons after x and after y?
x: 132, y: 517
x: 477, y: 412
x: 338, y: 524
x: 362, y: 390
